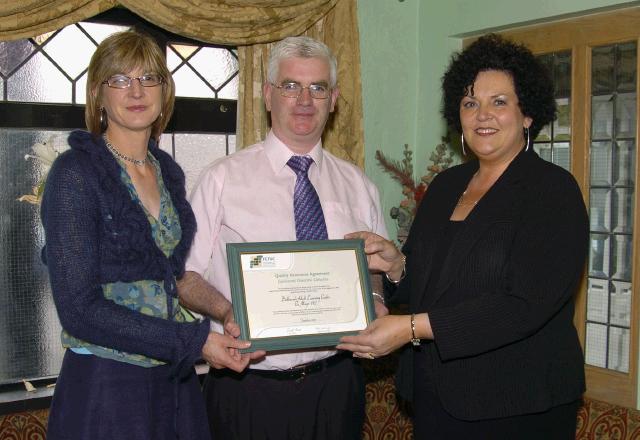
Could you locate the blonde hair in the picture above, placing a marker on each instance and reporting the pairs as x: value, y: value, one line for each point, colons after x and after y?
x: 124, y: 52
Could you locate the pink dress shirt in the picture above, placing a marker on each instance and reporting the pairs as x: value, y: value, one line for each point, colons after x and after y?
x: 248, y: 196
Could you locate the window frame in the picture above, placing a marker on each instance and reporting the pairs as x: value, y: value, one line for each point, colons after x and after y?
x: 580, y: 35
x: 190, y: 115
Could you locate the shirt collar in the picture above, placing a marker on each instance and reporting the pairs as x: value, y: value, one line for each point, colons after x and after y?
x: 279, y: 154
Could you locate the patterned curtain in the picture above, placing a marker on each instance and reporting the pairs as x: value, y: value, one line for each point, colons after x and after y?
x: 252, y: 25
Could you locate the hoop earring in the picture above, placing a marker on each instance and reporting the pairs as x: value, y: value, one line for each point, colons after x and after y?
x: 464, y: 153
x: 526, y: 130
x: 104, y: 122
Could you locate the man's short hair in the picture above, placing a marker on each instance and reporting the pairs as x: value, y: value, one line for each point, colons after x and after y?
x: 301, y: 47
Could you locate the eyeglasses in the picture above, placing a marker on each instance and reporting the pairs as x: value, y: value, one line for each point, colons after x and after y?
x: 294, y: 90
x: 124, y: 81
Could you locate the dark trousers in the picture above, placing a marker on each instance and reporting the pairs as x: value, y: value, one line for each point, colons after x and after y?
x: 433, y: 422
x: 327, y: 404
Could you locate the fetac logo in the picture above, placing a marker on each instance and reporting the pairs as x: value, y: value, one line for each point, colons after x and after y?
x: 262, y: 261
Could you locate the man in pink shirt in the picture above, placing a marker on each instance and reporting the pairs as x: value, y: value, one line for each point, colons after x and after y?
x: 249, y: 196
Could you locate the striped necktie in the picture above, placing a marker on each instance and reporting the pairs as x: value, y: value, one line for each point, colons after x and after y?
x: 307, y: 209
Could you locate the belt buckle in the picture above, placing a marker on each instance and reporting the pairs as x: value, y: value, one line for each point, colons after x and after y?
x: 303, y: 374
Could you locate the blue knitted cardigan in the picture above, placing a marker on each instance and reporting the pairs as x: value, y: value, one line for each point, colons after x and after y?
x: 96, y: 234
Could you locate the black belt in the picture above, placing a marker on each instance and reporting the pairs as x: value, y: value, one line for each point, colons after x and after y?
x: 299, y: 372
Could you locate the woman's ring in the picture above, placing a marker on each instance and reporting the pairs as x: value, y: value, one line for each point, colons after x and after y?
x: 371, y: 355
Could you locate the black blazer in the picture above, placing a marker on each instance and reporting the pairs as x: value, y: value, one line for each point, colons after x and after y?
x: 502, y: 310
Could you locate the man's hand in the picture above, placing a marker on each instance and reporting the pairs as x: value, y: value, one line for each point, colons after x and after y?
x: 221, y: 351
x: 230, y: 325
x: 231, y: 328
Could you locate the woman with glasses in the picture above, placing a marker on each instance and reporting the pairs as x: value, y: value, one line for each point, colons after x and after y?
x: 493, y: 258
x: 118, y: 228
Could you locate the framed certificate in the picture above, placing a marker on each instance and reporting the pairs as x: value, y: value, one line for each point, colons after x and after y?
x: 299, y: 294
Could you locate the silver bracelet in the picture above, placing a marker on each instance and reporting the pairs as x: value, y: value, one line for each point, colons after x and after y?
x: 402, y: 275
x: 380, y: 297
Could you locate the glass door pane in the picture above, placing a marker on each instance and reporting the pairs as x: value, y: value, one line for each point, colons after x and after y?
x: 611, y: 195
x: 553, y: 143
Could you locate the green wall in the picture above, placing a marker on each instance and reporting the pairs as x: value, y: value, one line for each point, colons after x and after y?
x: 389, y: 63
x: 405, y: 47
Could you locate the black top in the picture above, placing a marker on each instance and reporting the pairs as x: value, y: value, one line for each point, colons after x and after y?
x: 440, y: 254
x: 501, y: 310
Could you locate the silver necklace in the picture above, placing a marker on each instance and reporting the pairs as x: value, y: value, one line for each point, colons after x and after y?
x: 463, y: 203
x: 464, y: 193
x: 118, y: 154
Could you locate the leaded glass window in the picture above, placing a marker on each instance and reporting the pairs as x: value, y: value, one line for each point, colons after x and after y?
x: 611, y: 191
x: 43, y: 69
x: 203, y: 72
x: 611, y: 200
x: 554, y: 141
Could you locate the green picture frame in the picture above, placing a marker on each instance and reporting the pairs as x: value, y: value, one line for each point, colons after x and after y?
x: 299, y: 294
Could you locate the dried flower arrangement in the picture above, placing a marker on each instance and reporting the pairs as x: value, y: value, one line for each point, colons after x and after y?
x: 412, y: 190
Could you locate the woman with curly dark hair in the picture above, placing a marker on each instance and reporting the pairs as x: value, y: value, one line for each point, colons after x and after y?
x: 490, y: 266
